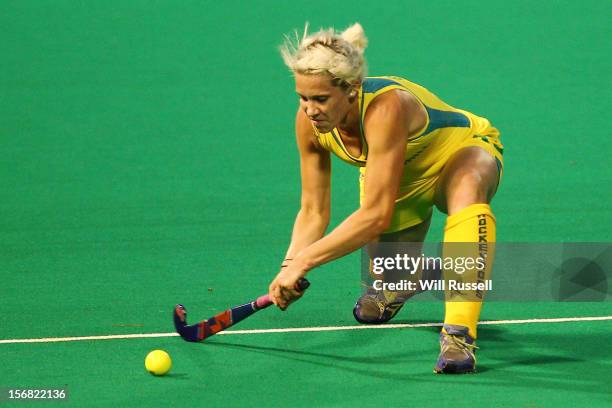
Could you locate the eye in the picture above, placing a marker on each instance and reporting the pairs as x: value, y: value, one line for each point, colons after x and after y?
x: 320, y: 99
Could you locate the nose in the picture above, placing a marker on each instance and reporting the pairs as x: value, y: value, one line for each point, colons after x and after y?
x: 312, y: 111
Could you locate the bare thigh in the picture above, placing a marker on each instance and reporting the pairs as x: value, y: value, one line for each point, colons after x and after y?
x: 469, y: 177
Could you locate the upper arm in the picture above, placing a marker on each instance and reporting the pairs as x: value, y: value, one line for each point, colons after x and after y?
x: 390, y: 120
x: 315, y: 168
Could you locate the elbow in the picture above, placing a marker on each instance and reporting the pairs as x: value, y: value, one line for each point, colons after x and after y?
x: 320, y: 216
x: 380, y: 225
x: 377, y: 214
x: 380, y: 222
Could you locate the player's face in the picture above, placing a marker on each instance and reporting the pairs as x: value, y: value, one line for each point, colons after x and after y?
x: 325, y: 105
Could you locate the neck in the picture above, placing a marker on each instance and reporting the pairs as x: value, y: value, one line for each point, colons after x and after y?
x: 350, y: 122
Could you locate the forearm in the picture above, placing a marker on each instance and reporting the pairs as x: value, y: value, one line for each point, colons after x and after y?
x: 357, y: 230
x: 308, y: 228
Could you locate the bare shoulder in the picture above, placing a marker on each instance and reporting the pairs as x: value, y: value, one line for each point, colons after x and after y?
x: 399, y: 106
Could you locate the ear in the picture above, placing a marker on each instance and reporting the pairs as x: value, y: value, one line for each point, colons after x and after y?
x: 353, y: 92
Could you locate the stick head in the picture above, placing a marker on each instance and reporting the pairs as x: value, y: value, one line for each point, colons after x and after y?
x: 188, y: 333
x: 180, y: 317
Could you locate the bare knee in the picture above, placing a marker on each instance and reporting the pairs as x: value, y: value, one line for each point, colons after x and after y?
x: 467, y: 188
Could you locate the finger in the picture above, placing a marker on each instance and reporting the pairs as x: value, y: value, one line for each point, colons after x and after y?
x: 277, y: 295
x: 292, y: 294
x: 289, y: 296
x: 271, y: 292
x: 282, y: 303
x: 284, y: 299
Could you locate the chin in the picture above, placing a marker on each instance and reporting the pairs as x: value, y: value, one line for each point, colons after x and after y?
x: 325, y: 129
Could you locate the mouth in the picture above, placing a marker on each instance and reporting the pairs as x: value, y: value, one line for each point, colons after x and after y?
x: 317, y: 122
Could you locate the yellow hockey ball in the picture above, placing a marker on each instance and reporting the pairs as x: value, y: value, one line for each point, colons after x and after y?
x: 158, y: 362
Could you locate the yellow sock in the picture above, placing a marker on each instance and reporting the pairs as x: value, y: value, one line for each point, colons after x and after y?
x: 474, y: 224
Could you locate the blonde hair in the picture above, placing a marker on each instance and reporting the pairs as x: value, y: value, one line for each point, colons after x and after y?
x: 327, y: 51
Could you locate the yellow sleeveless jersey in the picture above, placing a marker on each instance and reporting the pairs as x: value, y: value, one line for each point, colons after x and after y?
x: 447, y: 128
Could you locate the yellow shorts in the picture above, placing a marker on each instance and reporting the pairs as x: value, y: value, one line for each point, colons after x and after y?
x: 415, y: 204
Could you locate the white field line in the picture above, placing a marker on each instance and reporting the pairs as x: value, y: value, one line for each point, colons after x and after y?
x: 305, y: 329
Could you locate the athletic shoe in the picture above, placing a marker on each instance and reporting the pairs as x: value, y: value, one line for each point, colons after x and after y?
x: 378, y: 306
x: 457, y: 350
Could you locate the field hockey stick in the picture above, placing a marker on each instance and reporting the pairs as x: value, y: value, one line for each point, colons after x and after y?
x: 219, y: 322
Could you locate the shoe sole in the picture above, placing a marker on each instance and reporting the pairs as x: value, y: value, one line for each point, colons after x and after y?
x: 453, y: 370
